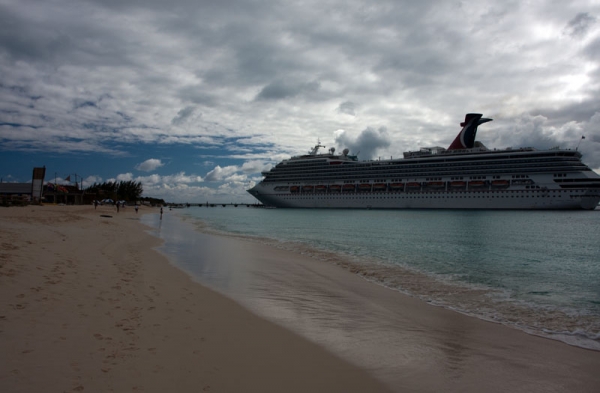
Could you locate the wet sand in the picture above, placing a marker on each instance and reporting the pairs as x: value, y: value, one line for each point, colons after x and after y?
x: 404, y: 342
x: 88, y: 305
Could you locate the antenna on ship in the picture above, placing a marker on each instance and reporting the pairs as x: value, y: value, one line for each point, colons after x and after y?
x: 582, y: 138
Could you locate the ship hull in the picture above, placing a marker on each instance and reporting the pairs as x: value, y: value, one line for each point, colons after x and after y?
x: 572, y: 199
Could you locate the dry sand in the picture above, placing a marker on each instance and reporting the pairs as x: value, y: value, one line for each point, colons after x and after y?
x: 88, y: 305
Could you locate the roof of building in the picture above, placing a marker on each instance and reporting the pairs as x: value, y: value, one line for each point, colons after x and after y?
x: 15, y: 188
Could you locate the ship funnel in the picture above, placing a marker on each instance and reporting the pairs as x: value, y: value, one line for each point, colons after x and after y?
x: 466, y: 137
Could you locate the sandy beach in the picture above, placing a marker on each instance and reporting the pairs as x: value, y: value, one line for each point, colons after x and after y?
x: 88, y: 305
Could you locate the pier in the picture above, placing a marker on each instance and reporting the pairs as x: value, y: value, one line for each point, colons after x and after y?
x: 209, y: 204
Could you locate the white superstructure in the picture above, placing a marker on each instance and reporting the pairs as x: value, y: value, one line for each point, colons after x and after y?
x: 465, y: 176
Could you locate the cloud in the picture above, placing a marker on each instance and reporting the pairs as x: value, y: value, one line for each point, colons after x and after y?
x: 181, y: 177
x: 348, y: 108
x: 219, y: 174
x: 368, y: 142
x: 579, y: 25
x: 254, y: 167
x: 89, y: 180
x: 592, y: 51
x: 149, y: 165
x: 279, y: 90
x: 125, y: 177
x: 183, y: 115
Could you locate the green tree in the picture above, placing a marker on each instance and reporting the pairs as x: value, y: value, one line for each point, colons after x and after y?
x: 130, y: 190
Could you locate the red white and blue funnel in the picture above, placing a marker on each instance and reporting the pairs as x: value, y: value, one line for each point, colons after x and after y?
x: 466, y: 138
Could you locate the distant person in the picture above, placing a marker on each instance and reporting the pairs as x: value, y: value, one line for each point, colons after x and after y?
x: 136, y: 209
x: 161, y: 213
x: 95, y: 204
x: 118, y: 206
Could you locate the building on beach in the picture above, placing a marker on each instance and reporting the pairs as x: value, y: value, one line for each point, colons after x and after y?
x: 23, y: 193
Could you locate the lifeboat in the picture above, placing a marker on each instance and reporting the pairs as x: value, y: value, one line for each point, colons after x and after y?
x: 335, y: 188
x: 500, y: 183
x: 294, y: 189
x: 413, y: 185
x: 348, y: 187
x: 364, y: 187
x: 321, y: 188
x: 435, y: 184
x: 397, y: 186
x: 379, y: 187
x: 308, y: 188
x: 457, y: 184
x: 476, y: 183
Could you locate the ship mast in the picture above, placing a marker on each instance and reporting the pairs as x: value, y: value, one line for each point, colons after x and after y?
x: 315, y: 149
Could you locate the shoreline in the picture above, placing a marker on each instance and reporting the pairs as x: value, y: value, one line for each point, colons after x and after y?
x: 473, y: 300
x: 91, y: 306
x: 426, y: 348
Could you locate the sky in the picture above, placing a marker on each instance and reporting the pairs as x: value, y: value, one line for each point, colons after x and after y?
x: 195, y: 98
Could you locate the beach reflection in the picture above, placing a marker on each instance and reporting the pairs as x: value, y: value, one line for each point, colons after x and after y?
x: 335, y: 308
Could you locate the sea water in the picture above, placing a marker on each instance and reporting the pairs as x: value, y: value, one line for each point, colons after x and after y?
x: 538, y: 271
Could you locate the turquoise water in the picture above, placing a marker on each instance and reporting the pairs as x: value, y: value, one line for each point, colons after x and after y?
x: 535, y: 270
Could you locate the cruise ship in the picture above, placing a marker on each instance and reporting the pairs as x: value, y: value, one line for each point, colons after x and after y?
x: 466, y: 175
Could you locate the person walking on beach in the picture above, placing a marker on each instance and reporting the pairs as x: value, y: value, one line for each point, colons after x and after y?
x: 117, y: 207
x: 136, y: 209
x: 161, y: 213
x: 95, y: 204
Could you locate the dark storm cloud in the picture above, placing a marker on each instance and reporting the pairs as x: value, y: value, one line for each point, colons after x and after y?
x: 198, y: 95
x: 278, y: 90
x: 57, y: 36
x: 348, y: 108
x: 580, y: 112
x: 579, y: 25
x: 592, y: 51
x: 524, y: 131
x: 183, y: 115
